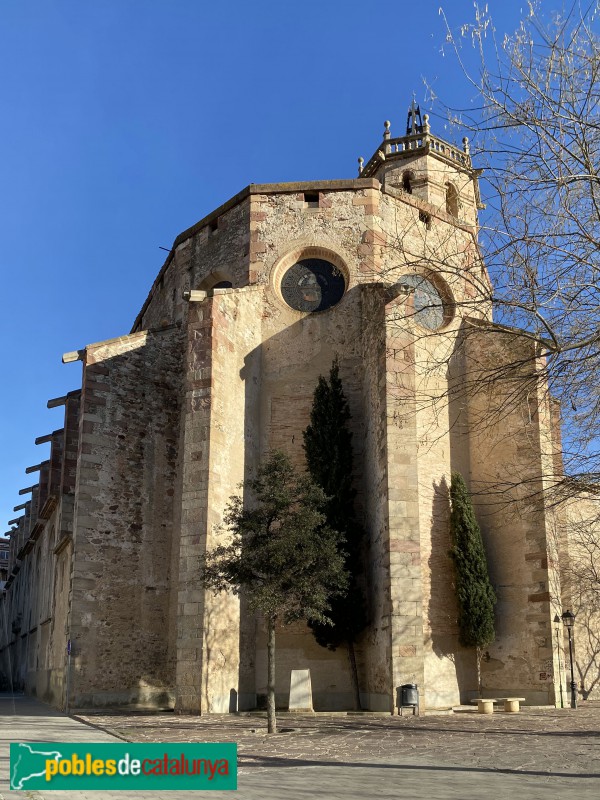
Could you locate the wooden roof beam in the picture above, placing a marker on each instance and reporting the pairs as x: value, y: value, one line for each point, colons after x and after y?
x: 37, y: 467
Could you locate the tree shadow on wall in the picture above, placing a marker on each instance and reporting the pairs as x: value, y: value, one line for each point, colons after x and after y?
x: 587, y: 650
x: 220, y: 653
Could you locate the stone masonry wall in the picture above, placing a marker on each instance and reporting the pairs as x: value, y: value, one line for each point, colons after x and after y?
x: 220, y: 440
x: 295, y: 350
x: 581, y: 591
x: 510, y: 452
x: 429, y: 177
x: 215, y: 251
x: 414, y: 234
x: 127, y: 463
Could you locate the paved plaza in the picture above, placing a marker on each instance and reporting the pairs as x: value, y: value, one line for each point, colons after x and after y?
x: 539, y: 753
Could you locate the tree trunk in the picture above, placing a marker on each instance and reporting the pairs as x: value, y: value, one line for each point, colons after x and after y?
x: 354, y: 673
x: 271, y: 719
x: 479, y: 655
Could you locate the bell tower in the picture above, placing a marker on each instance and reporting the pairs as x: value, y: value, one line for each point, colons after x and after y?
x: 428, y: 167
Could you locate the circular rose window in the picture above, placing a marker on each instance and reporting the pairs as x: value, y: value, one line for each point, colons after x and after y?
x: 427, y: 302
x: 312, y: 284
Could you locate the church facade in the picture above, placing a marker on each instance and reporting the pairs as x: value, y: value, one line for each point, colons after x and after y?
x: 103, y: 605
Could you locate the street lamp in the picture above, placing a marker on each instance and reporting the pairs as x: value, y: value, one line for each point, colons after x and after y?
x: 568, y: 619
x: 558, y: 647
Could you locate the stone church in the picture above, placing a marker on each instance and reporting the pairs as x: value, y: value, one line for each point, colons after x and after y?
x: 103, y: 605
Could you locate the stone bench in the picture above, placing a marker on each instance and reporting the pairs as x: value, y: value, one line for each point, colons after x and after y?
x: 485, y: 705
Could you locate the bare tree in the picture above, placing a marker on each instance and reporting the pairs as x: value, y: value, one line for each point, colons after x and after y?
x: 536, y: 133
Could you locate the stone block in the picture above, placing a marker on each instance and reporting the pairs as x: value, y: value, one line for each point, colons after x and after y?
x: 300, y: 691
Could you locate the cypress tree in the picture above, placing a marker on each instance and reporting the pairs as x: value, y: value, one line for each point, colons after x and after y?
x: 329, y: 458
x: 476, y: 597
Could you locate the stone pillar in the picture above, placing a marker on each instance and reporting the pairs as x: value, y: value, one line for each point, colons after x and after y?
x: 223, y: 337
x: 406, y: 611
x: 194, y: 502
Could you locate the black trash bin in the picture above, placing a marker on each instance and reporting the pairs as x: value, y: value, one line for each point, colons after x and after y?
x: 408, y: 697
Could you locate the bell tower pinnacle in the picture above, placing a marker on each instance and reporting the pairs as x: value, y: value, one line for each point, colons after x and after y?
x: 427, y: 167
x: 414, y: 123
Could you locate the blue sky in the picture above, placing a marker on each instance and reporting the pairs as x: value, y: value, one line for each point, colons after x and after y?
x: 126, y: 121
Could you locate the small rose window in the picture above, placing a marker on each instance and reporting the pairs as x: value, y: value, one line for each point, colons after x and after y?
x: 312, y: 284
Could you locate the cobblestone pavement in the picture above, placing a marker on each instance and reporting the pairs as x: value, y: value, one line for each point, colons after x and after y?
x: 539, y: 753
x: 549, y: 741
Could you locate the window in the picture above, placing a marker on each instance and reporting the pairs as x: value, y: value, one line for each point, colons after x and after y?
x: 451, y: 200
x: 312, y: 284
x: 428, y: 306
